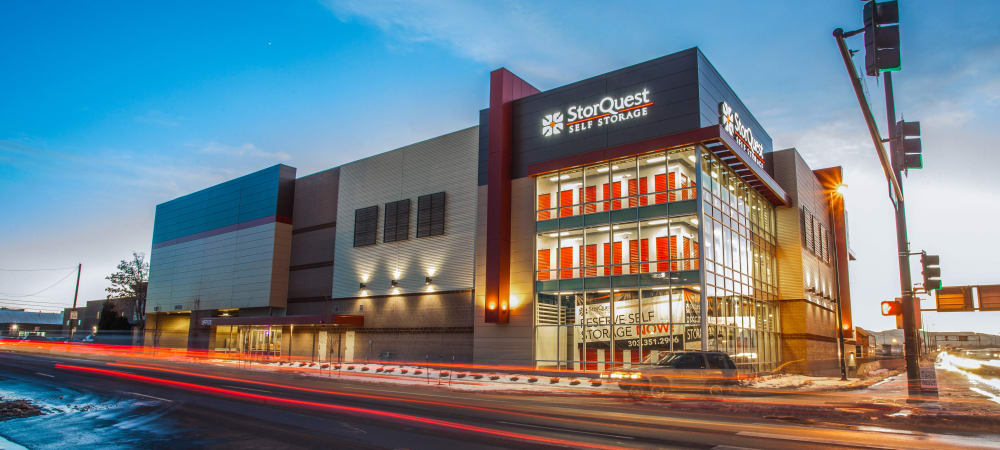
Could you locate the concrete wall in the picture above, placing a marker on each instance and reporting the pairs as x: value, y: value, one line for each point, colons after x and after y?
x: 445, y: 163
x: 509, y: 343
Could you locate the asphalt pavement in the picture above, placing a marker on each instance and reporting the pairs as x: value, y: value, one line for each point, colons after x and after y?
x: 154, y: 404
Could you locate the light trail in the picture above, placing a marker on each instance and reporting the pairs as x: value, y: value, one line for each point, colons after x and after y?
x: 341, y: 408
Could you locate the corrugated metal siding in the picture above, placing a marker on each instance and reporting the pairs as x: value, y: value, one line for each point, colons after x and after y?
x: 447, y: 163
x: 230, y: 270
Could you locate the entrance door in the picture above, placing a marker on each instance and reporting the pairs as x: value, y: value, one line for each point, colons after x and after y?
x: 263, y: 341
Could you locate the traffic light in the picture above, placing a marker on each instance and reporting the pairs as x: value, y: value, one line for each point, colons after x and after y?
x: 892, y: 308
x: 907, y: 149
x: 881, y: 37
x: 932, y: 271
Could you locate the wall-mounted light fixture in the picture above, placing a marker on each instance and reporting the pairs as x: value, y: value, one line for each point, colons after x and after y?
x: 394, y: 283
x: 428, y: 281
x: 362, y: 286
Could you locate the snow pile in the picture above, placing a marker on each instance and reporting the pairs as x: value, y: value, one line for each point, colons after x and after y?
x: 804, y: 383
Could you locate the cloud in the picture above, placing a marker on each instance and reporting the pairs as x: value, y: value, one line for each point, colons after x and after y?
x: 242, y: 150
x: 517, y: 35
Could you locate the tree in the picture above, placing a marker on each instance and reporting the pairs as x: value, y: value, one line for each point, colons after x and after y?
x: 131, y: 280
x: 111, y: 319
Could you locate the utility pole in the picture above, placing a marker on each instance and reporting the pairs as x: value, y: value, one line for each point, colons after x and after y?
x: 911, y: 349
x: 893, y: 174
x: 76, y: 293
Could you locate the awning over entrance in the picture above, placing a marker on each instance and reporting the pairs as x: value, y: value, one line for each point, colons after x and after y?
x: 347, y: 320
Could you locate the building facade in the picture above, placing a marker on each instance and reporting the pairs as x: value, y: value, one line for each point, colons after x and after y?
x: 595, y: 225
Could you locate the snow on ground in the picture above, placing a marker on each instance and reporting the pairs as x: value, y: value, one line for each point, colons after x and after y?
x: 804, y: 383
x: 489, y: 381
x: 458, y: 380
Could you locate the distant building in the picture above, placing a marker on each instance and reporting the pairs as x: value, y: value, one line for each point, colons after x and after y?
x: 84, y: 319
x: 962, y: 339
x: 18, y: 322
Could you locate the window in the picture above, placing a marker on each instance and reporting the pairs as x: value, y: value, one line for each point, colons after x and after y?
x: 397, y: 221
x: 719, y: 361
x: 365, y: 226
x: 688, y: 361
x: 430, y: 215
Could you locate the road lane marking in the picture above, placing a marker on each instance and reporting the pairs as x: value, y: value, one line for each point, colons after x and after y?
x: 45, y: 375
x: 808, y: 439
x: 246, y: 388
x: 565, y: 430
x: 149, y: 396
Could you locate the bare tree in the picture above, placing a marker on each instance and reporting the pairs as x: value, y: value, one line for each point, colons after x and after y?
x: 131, y: 280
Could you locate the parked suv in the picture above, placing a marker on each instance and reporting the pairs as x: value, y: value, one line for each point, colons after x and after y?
x: 680, y: 371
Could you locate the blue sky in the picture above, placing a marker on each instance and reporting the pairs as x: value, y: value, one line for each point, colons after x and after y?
x: 107, y: 109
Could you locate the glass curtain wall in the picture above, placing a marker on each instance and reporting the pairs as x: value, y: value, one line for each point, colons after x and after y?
x: 617, y: 262
x: 740, y: 273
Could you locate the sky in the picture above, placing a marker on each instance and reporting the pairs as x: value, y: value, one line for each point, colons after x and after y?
x: 109, y: 108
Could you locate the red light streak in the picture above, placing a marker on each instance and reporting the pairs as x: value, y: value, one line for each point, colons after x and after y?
x: 348, y: 409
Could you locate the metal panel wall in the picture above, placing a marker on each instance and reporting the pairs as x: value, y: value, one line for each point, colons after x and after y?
x: 446, y: 163
x: 713, y: 89
x: 226, y: 246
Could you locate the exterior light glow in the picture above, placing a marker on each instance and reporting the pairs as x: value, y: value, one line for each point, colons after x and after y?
x: 503, y: 306
x: 840, y: 189
x: 493, y: 306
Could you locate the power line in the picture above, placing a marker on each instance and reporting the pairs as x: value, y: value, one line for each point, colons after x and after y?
x: 43, y: 290
x: 26, y: 302
x: 36, y: 270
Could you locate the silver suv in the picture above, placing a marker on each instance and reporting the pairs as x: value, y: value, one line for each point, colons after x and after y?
x: 680, y: 371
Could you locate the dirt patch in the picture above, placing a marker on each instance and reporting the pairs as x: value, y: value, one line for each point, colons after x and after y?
x: 17, y: 409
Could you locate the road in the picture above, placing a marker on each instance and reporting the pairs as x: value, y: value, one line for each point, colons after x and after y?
x: 141, y: 404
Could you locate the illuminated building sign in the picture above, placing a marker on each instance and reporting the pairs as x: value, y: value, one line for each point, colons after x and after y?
x: 730, y: 121
x: 604, y: 112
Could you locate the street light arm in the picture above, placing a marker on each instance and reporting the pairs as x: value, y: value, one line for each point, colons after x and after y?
x: 883, y: 157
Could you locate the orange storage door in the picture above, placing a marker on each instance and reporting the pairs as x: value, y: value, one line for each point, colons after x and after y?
x: 544, y: 202
x: 544, y: 258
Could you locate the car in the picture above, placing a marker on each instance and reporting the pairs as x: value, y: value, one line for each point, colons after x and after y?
x: 678, y: 371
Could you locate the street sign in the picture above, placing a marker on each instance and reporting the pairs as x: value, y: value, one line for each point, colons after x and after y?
x: 989, y: 297
x: 956, y: 299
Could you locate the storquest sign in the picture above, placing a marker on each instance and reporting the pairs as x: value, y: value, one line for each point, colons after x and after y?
x: 607, y: 111
x: 730, y: 121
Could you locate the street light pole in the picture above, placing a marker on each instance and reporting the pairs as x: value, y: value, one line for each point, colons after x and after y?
x: 840, y: 319
x: 910, y: 337
x: 892, y: 175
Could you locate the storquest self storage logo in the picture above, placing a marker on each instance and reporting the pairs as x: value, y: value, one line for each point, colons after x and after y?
x: 607, y: 111
x: 730, y: 121
x: 552, y: 124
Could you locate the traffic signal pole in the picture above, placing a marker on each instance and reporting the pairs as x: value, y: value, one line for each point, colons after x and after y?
x: 911, y: 339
